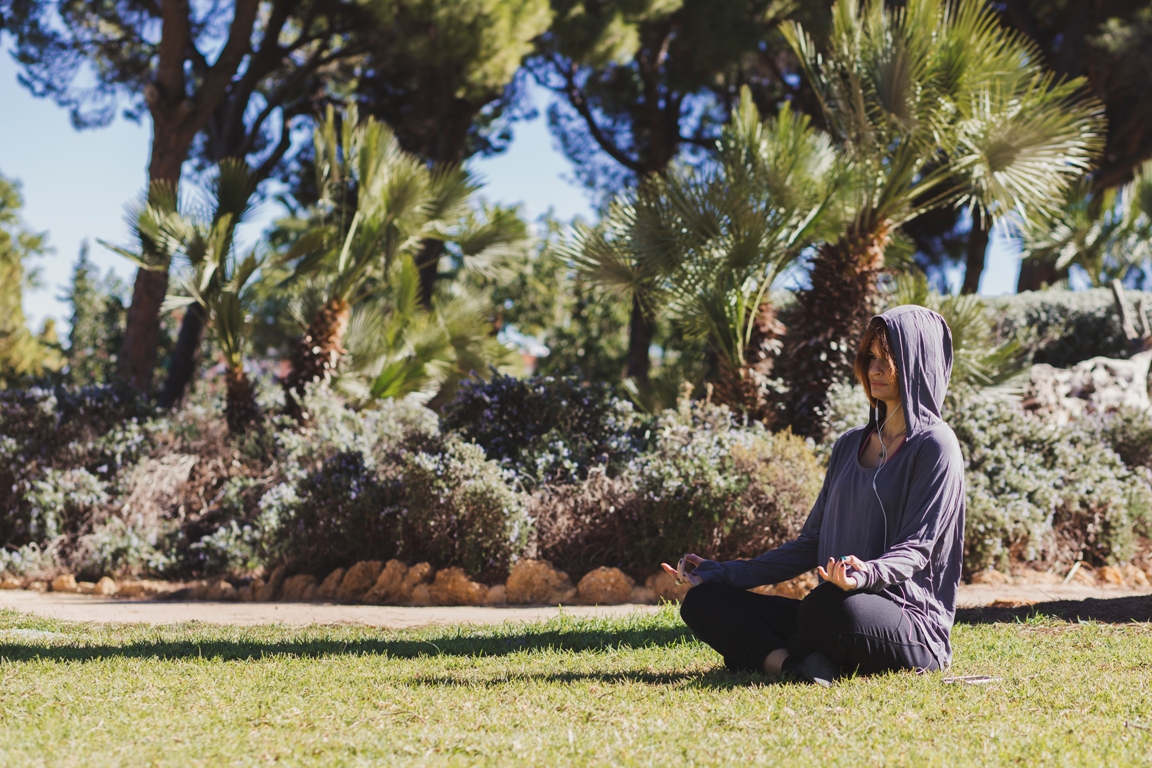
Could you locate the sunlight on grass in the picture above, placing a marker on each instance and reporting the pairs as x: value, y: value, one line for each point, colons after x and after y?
x: 637, y: 690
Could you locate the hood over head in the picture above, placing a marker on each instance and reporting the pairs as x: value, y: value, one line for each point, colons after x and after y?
x: 922, y: 345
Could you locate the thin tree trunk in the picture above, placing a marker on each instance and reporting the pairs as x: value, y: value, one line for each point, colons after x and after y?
x: 832, y: 314
x: 317, y: 353
x: 977, y: 250
x: 185, y: 357
x: 640, y: 332
x: 428, y: 264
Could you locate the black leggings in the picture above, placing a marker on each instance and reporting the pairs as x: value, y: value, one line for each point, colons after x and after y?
x: 858, y: 631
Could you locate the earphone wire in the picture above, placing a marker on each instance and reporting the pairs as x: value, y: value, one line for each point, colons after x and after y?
x: 884, y: 512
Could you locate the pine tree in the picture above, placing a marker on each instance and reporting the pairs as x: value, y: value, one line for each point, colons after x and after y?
x: 97, y: 323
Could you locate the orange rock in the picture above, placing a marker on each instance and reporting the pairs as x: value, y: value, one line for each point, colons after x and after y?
x: 65, y: 583
x: 327, y: 590
x: 420, y: 595
x: 1133, y: 576
x: 421, y: 573
x: 271, y: 589
x: 1085, y: 576
x: 359, y: 579
x: 296, y: 586
x: 453, y: 587
x: 389, y: 586
x: 222, y: 591
x: 798, y: 587
x: 85, y: 587
x: 497, y: 595
x: 11, y: 582
x: 990, y: 576
x: 643, y: 596
x: 1111, y: 575
x: 605, y: 586
x: 534, y: 582
x: 664, y: 586
x: 106, y: 587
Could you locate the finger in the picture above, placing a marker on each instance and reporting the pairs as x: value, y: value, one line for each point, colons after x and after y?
x: 694, y: 559
x: 668, y: 568
x: 855, y: 561
x: 823, y: 573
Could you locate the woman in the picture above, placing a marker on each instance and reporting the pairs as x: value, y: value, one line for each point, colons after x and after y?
x: 885, y: 535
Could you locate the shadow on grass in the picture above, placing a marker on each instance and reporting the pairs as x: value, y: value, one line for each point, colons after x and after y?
x: 1116, y: 610
x: 474, y: 644
x: 718, y: 678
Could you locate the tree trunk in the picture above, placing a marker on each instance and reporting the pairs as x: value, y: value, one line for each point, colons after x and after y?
x: 640, y: 331
x: 977, y: 251
x: 185, y: 356
x: 240, y: 408
x: 1036, y: 274
x: 317, y: 353
x: 831, y: 316
x: 428, y: 264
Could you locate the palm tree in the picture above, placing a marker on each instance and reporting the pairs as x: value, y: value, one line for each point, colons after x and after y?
x: 1105, y: 232
x: 934, y: 103
x: 708, y: 244
x: 217, y: 281
x: 377, y: 204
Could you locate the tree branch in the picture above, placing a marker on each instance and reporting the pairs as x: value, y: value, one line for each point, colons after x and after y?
x: 578, y: 101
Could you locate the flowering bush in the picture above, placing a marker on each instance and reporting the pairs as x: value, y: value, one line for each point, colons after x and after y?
x: 546, y: 429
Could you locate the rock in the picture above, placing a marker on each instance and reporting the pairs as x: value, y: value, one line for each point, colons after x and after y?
x: 85, y: 587
x: 643, y: 596
x: 106, y: 587
x: 798, y: 587
x: 65, y: 583
x: 11, y: 582
x: 389, y: 586
x: 1035, y: 576
x: 421, y: 573
x: 198, y: 591
x: 1111, y: 575
x: 453, y: 587
x: 246, y: 593
x: 1096, y: 386
x: 990, y: 576
x: 271, y: 589
x: 1085, y: 576
x: 1133, y: 576
x: 296, y: 586
x: 566, y: 596
x: 605, y: 586
x: 664, y: 586
x: 420, y: 595
x: 497, y: 595
x: 535, y: 582
x: 141, y: 588
x: 222, y: 591
x: 327, y: 590
x: 359, y: 579
x: 37, y: 586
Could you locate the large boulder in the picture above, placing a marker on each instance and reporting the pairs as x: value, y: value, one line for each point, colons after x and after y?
x: 664, y: 586
x: 453, y: 587
x: 605, y: 586
x: 359, y: 579
x: 536, y: 582
x: 327, y: 589
x: 299, y: 588
x: 1096, y: 386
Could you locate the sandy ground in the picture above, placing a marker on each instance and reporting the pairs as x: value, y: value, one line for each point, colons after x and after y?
x: 111, y: 610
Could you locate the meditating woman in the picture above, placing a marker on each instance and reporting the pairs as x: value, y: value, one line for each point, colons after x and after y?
x: 885, y: 535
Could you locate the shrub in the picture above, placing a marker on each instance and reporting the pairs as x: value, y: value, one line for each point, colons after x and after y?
x: 1034, y: 495
x: 1061, y: 327
x: 1129, y: 433
x: 461, y: 510
x: 546, y: 429
x: 707, y: 485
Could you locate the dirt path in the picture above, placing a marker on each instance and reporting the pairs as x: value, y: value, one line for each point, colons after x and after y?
x: 101, y: 609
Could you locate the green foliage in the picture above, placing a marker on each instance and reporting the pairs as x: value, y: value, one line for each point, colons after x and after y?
x: 22, y: 354
x: 1034, y: 496
x: 1061, y: 327
x: 546, y: 429
x: 98, y: 316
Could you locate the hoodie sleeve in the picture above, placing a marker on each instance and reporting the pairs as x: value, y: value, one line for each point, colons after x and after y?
x: 934, y: 504
x: 786, y: 561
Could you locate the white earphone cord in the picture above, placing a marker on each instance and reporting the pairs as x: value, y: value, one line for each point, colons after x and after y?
x: 884, y: 514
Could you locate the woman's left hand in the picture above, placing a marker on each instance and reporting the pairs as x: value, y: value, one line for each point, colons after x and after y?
x: 837, y: 572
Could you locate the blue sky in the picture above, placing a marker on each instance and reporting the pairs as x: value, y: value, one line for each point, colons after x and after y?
x: 76, y: 184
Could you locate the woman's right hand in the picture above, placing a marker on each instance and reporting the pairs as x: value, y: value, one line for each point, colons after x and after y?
x: 683, y: 575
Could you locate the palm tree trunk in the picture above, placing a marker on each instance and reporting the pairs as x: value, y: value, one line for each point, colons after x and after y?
x: 1036, y: 274
x: 240, y: 408
x: 640, y: 332
x: 977, y: 251
x: 318, y: 352
x: 428, y: 263
x: 745, y: 388
x: 831, y: 315
x: 185, y: 357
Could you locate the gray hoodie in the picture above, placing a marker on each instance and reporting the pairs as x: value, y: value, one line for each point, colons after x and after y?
x: 904, y: 519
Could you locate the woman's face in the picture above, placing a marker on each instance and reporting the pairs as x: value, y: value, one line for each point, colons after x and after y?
x: 882, y: 376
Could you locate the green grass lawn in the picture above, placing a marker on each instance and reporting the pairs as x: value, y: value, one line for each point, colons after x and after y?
x: 635, y: 691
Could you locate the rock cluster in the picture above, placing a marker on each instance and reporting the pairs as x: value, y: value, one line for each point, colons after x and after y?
x: 1099, y: 385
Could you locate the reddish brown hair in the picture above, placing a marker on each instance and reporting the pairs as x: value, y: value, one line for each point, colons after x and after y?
x: 877, y: 331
